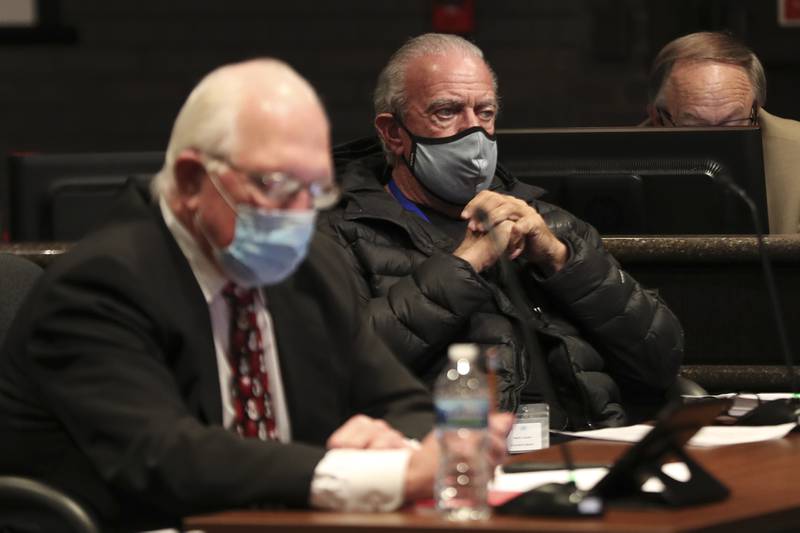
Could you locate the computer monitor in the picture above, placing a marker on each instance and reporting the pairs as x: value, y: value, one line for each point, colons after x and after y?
x: 59, y: 197
x: 644, y: 181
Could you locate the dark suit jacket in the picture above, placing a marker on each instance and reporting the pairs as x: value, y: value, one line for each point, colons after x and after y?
x: 109, y: 385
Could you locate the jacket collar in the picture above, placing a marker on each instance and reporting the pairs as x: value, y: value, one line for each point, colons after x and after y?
x: 359, y: 161
x: 196, y: 370
x: 363, y: 181
x: 363, y: 172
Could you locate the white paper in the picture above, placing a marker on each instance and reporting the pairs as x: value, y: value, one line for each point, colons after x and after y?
x: 585, y: 478
x: 707, y: 436
x: 723, y: 435
x: 744, y: 402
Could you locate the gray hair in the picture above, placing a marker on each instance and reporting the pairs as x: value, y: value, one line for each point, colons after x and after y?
x: 706, y: 46
x: 390, y: 92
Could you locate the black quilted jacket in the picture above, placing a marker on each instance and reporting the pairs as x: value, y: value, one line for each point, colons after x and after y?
x: 607, y: 342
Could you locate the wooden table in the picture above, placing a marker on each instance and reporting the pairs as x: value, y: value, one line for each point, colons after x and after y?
x: 764, y: 479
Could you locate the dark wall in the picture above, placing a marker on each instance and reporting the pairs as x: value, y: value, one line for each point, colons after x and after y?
x: 560, y: 62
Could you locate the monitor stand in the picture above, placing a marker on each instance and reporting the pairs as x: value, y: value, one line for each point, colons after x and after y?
x: 645, y: 460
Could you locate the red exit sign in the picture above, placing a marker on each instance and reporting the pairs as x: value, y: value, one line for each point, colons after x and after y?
x: 789, y: 12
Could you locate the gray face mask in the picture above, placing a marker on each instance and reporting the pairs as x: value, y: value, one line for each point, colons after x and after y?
x: 454, y: 168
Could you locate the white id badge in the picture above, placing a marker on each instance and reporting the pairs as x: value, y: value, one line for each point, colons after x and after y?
x: 531, y: 429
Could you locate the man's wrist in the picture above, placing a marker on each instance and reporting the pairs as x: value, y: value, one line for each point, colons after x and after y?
x: 419, y: 476
x: 470, y: 258
x: 553, y: 260
x: 560, y: 256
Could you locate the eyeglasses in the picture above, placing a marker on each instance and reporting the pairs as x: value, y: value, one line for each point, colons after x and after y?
x: 751, y: 120
x: 280, y: 187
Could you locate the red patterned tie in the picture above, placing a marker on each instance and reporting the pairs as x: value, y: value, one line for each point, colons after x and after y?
x: 250, y: 383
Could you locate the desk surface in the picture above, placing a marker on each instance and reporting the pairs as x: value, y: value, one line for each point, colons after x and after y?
x: 764, y: 479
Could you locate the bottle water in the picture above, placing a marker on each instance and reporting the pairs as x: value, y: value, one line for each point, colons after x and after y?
x: 461, y: 397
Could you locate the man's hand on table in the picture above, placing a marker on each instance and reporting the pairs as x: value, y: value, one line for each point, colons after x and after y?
x: 366, y: 433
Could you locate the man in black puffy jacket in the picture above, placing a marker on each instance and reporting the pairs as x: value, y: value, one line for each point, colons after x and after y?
x: 418, y: 204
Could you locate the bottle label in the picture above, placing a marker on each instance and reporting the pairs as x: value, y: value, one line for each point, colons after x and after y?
x: 472, y: 413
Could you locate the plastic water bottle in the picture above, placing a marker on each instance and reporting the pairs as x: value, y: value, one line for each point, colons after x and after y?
x: 461, y: 396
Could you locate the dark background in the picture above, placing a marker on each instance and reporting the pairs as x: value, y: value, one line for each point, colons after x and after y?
x: 110, y: 75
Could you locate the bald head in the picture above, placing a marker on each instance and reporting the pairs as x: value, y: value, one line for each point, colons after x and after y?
x: 240, y: 106
x: 705, y: 79
x: 706, y: 93
x: 278, y: 111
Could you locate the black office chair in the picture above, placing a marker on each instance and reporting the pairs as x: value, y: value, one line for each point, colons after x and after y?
x: 27, y: 505
x: 17, y: 276
x: 60, y: 197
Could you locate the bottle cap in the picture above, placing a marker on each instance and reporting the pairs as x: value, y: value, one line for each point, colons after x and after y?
x: 463, y: 351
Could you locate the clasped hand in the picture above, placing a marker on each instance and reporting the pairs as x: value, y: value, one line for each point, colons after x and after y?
x: 517, y: 228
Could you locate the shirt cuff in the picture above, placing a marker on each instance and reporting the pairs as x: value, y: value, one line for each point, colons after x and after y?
x: 360, y: 480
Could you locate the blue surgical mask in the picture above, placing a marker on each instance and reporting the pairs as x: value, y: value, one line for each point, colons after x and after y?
x: 454, y: 168
x: 268, y: 244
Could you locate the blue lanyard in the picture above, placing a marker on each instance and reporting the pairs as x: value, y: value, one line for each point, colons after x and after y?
x: 407, y: 204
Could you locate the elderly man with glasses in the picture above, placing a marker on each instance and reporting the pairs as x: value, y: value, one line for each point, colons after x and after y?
x: 429, y: 261
x: 205, y: 350
x: 711, y: 79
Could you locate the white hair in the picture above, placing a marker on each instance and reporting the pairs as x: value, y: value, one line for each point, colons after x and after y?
x: 208, y: 120
x: 390, y: 92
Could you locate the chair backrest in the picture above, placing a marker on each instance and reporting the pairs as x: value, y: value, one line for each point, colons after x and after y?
x: 60, y: 197
x: 28, y: 506
x: 17, y: 276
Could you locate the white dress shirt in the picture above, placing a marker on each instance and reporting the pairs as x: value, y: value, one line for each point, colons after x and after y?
x: 345, y: 479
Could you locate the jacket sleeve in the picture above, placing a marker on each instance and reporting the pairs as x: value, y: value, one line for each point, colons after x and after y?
x: 384, y: 388
x: 425, y: 310
x: 100, y: 357
x: 639, y: 337
x: 381, y: 386
x: 422, y: 311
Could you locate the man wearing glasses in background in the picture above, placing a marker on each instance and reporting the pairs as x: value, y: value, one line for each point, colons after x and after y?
x: 711, y: 79
x: 150, y: 345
